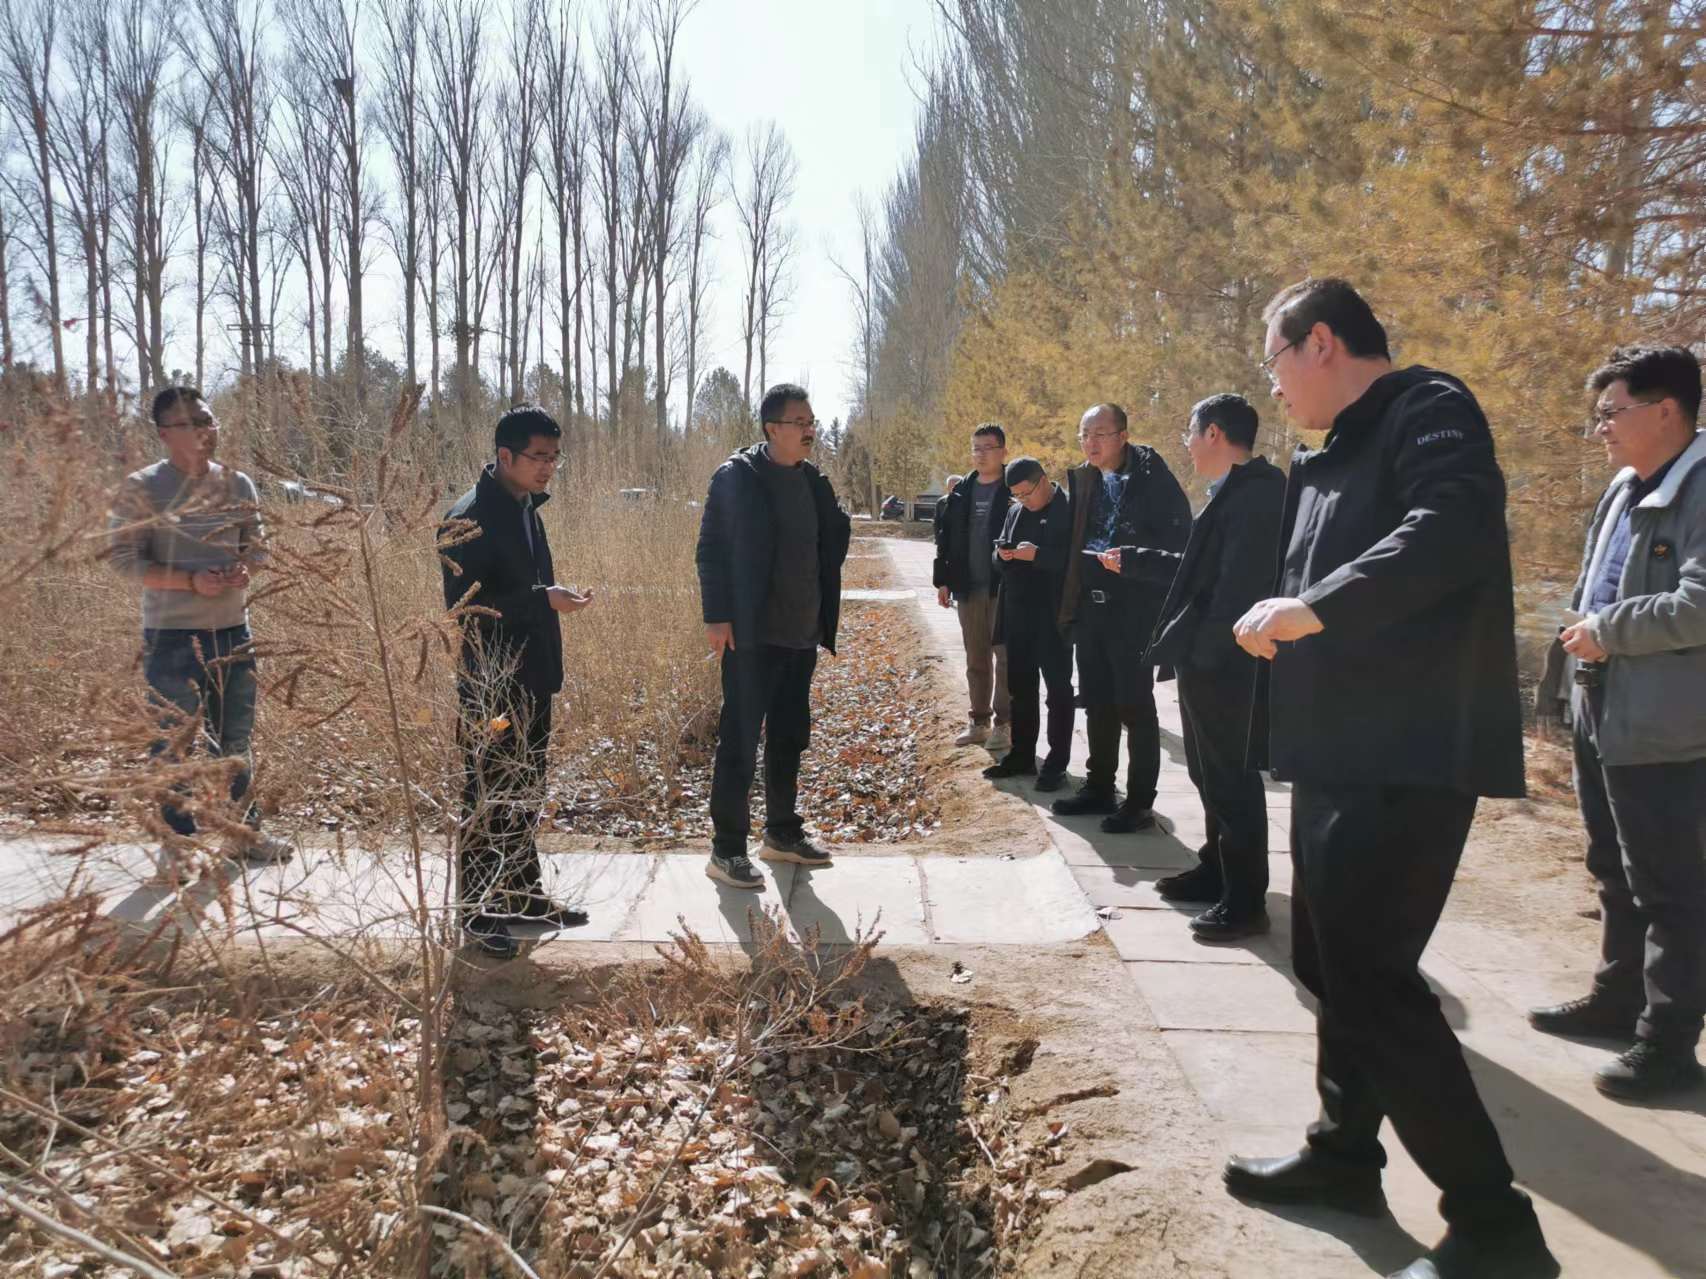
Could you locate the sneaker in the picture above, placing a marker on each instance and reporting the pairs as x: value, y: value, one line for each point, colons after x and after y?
x: 170, y: 863
x: 1592, y: 1016
x: 799, y: 850
x: 1650, y: 1069
x: 1220, y: 923
x: 490, y: 936
x: 1051, y: 779
x: 975, y: 735
x: 999, y: 741
x: 1010, y: 767
x: 1087, y: 799
x: 260, y: 850
x: 1201, y: 883
x: 1125, y: 819
x: 735, y: 871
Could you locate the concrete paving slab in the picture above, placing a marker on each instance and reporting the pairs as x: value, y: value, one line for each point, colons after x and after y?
x: 1248, y: 1079
x: 1223, y: 997
x: 714, y: 911
x: 1128, y: 887
x: 1081, y: 844
x: 850, y: 895
x: 1162, y: 935
x: 1031, y: 901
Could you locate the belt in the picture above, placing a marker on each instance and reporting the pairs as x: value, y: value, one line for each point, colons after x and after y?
x: 1098, y: 597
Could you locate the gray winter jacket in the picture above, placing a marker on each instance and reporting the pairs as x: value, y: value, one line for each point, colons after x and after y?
x: 1655, y: 635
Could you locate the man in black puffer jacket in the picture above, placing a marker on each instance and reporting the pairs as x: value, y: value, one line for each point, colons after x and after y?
x: 771, y: 545
x: 1391, y: 662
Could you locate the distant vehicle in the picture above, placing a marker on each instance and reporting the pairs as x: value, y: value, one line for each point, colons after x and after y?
x: 638, y: 495
x: 924, y: 507
x: 297, y: 491
x: 893, y: 508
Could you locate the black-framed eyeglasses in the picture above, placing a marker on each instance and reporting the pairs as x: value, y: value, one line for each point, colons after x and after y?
x: 1267, y: 365
x: 987, y: 448
x: 1601, y: 417
x: 1026, y: 495
x: 811, y: 423
x: 543, y: 459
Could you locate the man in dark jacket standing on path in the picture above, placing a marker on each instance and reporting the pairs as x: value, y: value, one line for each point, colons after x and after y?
x: 972, y: 514
x: 1031, y: 553
x: 771, y: 545
x: 496, y: 558
x: 1393, y: 705
x: 1226, y: 567
x: 1124, y: 499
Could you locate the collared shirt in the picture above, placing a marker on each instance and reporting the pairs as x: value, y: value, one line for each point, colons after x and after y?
x: 1107, y: 514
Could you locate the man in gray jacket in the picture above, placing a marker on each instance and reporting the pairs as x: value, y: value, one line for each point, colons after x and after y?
x: 1638, y: 658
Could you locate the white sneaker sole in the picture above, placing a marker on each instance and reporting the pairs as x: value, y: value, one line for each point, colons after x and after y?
x: 716, y: 872
x: 770, y: 854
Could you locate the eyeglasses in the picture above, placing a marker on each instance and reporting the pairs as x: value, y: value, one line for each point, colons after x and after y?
x: 1603, y: 417
x: 987, y: 448
x: 543, y: 459
x: 1026, y: 495
x: 1267, y: 365
x: 811, y: 423
x: 1085, y: 437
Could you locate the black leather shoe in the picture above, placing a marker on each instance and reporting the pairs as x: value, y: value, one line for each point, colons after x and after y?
x: 1124, y: 820
x: 490, y: 935
x: 1306, y: 1178
x: 1592, y: 1016
x: 542, y: 910
x: 1086, y: 800
x: 1522, y: 1254
x: 1222, y: 924
x: 1650, y: 1069
x: 1201, y: 883
x: 1010, y: 767
x: 1051, y: 780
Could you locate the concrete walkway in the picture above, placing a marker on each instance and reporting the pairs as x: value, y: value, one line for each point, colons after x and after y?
x: 1621, y: 1189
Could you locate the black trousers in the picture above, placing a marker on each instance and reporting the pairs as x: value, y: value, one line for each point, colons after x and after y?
x: 1373, y: 867
x: 1646, y: 828
x: 768, y: 688
x: 504, y: 740
x: 1215, y: 709
x: 1038, y: 655
x: 1118, y: 692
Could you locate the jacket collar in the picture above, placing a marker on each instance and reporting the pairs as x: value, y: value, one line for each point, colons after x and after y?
x: 753, y: 454
x: 1666, y: 492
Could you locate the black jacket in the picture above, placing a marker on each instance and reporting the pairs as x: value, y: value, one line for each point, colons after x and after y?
x: 1394, y: 533
x: 1033, y: 585
x: 1227, y: 565
x: 737, y: 542
x: 509, y: 577
x: 1154, y: 514
x: 957, y: 542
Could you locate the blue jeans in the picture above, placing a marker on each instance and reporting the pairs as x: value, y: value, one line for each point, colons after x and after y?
x: 209, y: 676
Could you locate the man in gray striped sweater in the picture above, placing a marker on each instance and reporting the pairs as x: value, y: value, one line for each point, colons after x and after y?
x: 188, y: 530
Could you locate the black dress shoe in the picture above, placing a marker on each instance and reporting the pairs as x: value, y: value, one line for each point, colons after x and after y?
x: 1522, y: 1254
x: 1087, y: 799
x: 542, y: 910
x: 1593, y: 1016
x: 1222, y: 924
x: 1051, y: 779
x: 1010, y: 767
x: 490, y: 935
x: 1125, y: 819
x: 1306, y: 1178
x: 1201, y: 883
x: 1650, y: 1069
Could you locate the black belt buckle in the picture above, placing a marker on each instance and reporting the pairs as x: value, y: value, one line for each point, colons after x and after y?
x: 1590, y: 674
x: 1098, y: 597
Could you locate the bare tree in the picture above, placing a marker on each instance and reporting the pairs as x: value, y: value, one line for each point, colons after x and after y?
x: 399, y: 115
x: 565, y: 144
x: 613, y: 65
x: 7, y: 233
x: 517, y: 156
x: 458, y: 101
x: 775, y: 290
x: 78, y: 132
x: 670, y: 124
x: 27, y: 41
x: 710, y: 167
x: 861, y: 277
x: 307, y: 163
x: 432, y: 226
x: 760, y: 193
x: 142, y: 62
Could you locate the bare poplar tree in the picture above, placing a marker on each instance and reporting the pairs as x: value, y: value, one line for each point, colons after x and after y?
x: 565, y: 144
x: 459, y: 95
x: 861, y: 277
x: 28, y: 31
x: 78, y: 134
x: 399, y: 113
x: 517, y: 156
x: 670, y: 123
x: 710, y: 167
x: 307, y: 163
x: 432, y: 225
x: 7, y: 233
x: 761, y: 192
x: 613, y: 67
x: 142, y: 65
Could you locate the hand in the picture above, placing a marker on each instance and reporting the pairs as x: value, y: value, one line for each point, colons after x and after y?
x: 1026, y: 551
x: 1580, y: 644
x: 236, y: 577
x: 721, y: 637
x: 567, y: 600
x: 1110, y: 559
x: 208, y: 582
x: 1003, y: 553
x: 943, y: 597
x: 1270, y: 623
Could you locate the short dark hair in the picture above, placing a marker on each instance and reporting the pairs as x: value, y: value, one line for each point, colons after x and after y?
x: 991, y: 428
x: 1023, y: 469
x: 1233, y: 414
x: 170, y: 397
x: 522, y: 423
x: 778, y: 398
x: 1335, y: 303
x: 1654, y: 373
x: 1112, y: 410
